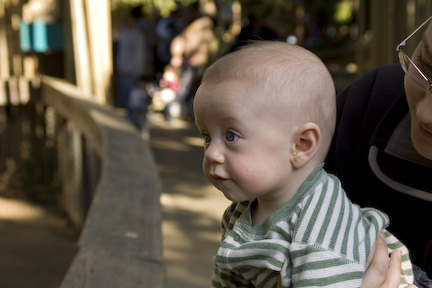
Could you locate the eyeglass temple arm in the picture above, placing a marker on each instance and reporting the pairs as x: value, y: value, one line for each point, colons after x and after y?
x: 403, y: 43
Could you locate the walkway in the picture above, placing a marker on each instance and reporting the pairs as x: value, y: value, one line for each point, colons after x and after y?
x: 191, y: 207
x: 37, y: 243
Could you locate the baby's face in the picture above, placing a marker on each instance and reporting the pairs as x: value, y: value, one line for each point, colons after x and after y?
x: 246, y: 151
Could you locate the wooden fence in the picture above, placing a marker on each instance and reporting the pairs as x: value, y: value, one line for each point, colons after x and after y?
x: 110, y: 190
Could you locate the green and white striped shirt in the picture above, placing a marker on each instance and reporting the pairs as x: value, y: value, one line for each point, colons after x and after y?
x: 318, y: 239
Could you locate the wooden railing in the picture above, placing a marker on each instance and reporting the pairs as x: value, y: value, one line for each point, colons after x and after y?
x: 120, y: 244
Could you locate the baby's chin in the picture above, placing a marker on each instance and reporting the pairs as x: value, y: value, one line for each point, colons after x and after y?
x: 232, y: 197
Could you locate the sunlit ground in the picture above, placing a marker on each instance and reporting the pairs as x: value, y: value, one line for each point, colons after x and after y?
x: 14, y: 209
x: 34, y: 243
x: 191, y: 207
x: 37, y: 243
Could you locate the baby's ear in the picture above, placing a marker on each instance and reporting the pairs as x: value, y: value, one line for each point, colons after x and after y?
x: 305, y: 144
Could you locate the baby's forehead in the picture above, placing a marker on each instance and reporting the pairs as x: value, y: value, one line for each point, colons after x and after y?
x: 255, y: 97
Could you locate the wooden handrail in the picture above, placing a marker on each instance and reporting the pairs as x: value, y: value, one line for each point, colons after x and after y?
x: 120, y: 244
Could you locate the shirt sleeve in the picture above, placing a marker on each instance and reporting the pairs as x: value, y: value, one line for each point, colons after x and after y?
x: 221, y: 277
x: 315, y: 266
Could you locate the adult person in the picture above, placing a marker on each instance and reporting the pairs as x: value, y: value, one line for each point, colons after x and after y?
x: 130, y: 58
x: 382, y: 148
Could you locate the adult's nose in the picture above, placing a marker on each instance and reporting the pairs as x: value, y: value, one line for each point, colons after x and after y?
x: 424, y: 109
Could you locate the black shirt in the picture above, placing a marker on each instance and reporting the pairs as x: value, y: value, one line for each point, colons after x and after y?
x: 369, y: 112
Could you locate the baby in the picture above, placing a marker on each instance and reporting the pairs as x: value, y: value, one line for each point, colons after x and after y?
x: 267, y: 115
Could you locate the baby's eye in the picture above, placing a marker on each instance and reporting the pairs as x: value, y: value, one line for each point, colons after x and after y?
x: 230, y: 137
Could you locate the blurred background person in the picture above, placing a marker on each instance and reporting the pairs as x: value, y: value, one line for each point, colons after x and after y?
x: 167, y: 28
x: 139, y: 99
x: 191, y: 52
x: 130, y: 58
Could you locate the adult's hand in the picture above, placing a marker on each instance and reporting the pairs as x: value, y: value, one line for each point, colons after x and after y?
x: 382, y: 271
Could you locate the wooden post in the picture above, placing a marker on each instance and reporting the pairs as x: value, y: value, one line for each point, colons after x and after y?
x: 81, y: 47
x: 100, y: 44
x: 382, y: 25
x: 4, y: 56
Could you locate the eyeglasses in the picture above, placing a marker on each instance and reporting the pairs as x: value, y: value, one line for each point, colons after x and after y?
x: 418, y: 76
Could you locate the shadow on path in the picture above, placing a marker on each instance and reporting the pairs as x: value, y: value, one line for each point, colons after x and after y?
x: 191, y: 207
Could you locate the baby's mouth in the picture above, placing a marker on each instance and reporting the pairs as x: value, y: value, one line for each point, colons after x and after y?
x: 217, y: 177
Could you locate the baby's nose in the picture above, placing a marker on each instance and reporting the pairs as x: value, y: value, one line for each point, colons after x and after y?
x: 214, y: 153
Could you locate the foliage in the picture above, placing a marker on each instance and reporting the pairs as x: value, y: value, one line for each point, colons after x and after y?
x: 283, y: 16
x: 261, y: 8
x: 344, y: 11
x: 149, y: 6
x: 277, y: 15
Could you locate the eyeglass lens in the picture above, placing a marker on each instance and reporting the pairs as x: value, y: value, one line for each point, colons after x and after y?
x: 414, y: 73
